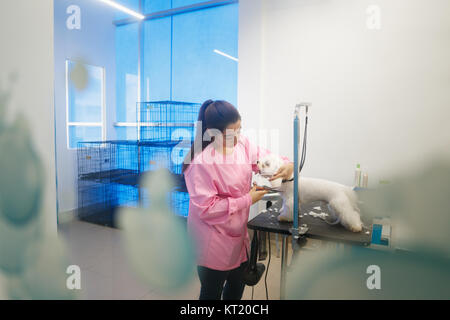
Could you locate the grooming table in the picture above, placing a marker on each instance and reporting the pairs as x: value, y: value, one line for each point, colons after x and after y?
x: 318, y: 229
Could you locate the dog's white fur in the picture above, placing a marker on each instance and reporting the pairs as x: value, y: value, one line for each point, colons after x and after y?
x: 341, y: 199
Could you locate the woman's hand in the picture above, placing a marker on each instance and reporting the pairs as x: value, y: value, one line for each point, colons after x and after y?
x: 284, y: 172
x: 257, y: 193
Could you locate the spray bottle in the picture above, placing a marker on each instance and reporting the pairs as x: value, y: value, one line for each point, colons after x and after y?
x: 365, y: 179
x: 357, y: 182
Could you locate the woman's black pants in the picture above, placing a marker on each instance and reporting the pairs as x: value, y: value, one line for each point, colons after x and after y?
x: 212, y: 283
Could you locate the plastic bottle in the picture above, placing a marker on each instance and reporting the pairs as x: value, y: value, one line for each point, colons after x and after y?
x: 365, y: 180
x: 358, y: 176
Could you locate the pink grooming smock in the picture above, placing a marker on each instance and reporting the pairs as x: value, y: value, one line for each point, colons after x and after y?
x: 219, y: 203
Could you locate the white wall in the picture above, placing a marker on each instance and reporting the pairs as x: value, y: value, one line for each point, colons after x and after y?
x: 93, y: 44
x: 26, y: 33
x: 380, y: 97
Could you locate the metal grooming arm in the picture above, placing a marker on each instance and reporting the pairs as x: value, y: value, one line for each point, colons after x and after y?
x: 297, y: 231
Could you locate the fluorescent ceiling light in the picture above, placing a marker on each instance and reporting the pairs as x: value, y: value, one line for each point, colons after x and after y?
x: 226, y: 55
x: 124, y: 9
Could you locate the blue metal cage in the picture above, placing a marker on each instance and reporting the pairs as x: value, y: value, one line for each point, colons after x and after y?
x: 167, y: 120
x: 109, y: 171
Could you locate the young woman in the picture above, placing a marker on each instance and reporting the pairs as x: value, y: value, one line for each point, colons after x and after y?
x: 218, y: 173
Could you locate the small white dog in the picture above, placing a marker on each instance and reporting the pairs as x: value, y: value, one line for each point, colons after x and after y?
x: 341, y: 199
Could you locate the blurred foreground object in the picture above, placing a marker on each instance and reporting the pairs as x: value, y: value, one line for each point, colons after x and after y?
x: 32, y: 265
x: 156, y: 240
x: 417, y: 264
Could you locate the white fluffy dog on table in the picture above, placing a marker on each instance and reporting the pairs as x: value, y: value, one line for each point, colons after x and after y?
x: 342, y: 199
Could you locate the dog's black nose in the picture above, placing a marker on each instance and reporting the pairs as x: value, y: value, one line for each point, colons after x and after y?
x: 257, y: 162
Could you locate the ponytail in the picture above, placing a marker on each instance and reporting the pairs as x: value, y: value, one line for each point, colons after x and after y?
x: 198, y: 140
x: 213, y: 114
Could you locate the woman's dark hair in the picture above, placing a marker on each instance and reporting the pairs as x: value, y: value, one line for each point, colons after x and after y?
x: 212, y: 115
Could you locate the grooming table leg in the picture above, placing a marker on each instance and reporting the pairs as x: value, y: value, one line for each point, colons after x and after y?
x: 262, y: 247
x: 277, y: 244
x: 284, y: 248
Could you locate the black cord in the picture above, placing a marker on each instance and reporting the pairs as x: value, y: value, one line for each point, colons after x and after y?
x: 303, y: 158
x: 254, y: 235
x: 267, y: 270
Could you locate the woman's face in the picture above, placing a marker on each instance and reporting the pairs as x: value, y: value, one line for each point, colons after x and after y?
x: 231, y: 134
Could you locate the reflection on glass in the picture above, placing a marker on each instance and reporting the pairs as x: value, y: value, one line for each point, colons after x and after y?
x: 83, y: 133
x: 127, y: 56
x: 85, y: 102
x: 199, y: 73
x: 85, y: 98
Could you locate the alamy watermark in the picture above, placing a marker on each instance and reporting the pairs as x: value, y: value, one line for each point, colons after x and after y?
x: 73, y: 281
x: 373, y: 21
x: 374, y: 280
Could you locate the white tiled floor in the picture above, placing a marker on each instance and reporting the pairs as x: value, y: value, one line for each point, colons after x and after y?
x: 106, y: 273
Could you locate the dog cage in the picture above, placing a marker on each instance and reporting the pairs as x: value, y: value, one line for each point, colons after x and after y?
x: 167, y: 120
x: 107, y: 161
x: 162, y: 154
x: 126, y: 195
x: 125, y: 162
x: 96, y: 202
x: 109, y: 171
x: 94, y: 161
x: 179, y: 202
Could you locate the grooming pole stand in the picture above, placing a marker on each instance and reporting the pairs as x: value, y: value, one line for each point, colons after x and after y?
x: 296, y: 231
